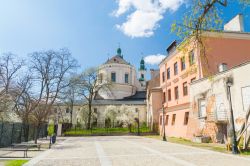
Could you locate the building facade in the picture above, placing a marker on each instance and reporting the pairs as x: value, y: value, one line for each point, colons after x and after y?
x: 210, y: 115
x: 183, y: 66
x: 126, y: 88
x: 154, y: 100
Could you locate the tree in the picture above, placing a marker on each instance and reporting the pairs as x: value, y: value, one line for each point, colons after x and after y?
x: 85, y: 115
x: 24, y: 103
x: 88, y: 87
x: 111, y: 113
x: 49, y: 69
x: 127, y: 116
x: 69, y: 95
x: 205, y: 15
x: 9, y: 68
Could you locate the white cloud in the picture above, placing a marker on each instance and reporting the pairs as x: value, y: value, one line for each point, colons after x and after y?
x: 146, y: 14
x: 154, y: 59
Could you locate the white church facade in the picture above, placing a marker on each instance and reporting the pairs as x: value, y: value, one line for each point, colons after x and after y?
x: 128, y: 87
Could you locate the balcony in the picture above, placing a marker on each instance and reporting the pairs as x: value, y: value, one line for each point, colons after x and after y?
x: 218, y: 116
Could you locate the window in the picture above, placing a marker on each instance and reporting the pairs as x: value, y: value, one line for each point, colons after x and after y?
x: 168, y: 73
x: 175, y: 68
x: 183, y: 63
x: 167, y: 117
x: 193, y: 79
x: 169, y: 95
x: 142, y: 75
x: 202, y: 108
x: 176, y: 92
x: 95, y: 110
x: 191, y: 58
x: 126, y: 78
x: 113, y: 77
x: 163, y: 76
x: 161, y: 120
x: 67, y: 110
x: 185, y: 89
x: 186, y: 118
x: 100, y: 77
x: 164, y: 97
x: 173, y: 119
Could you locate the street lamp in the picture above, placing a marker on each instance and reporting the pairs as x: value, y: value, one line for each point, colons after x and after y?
x: 163, y: 123
x: 138, y: 121
x: 234, y: 143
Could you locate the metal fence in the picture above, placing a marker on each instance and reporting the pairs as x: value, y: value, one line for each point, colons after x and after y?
x: 17, y: 132
x: 107, y: 128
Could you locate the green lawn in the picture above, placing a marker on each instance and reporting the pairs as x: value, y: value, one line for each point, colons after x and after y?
x: 209, y: 146
x: 107, y: 131
x: 15, y: 162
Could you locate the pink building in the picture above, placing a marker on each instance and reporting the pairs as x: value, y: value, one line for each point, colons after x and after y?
x: 182, y: 66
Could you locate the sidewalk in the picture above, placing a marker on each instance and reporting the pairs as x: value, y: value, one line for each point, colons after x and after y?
x: 33, y: 152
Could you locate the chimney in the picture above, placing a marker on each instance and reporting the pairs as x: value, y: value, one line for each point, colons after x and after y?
x: 235, y: 25
x: 172, y: 47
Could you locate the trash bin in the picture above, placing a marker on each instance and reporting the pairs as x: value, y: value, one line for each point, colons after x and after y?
x: 53, y: 139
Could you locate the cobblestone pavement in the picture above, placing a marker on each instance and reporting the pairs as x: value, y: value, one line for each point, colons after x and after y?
x: 131, y: 151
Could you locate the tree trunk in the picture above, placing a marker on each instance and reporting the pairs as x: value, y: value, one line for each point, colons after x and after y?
x: 129, y: 128
x: 71, y: 111
x: 26, y: 132
x: 37, y: 133
x: 89, y: 117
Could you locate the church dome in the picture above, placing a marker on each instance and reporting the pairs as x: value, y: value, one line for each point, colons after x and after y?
x: 122, y: 76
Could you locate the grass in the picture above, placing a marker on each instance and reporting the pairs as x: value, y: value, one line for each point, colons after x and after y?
x: 106, y: 131
x: 209, y: 146
x: 15, y: 162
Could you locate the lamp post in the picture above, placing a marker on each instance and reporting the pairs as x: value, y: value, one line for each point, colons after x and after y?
x: 163, y: 123
x: 138, y: 121
x: 234, y: 143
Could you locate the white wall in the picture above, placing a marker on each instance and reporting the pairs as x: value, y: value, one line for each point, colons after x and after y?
x: 217, y: 87
x: 119, y: 89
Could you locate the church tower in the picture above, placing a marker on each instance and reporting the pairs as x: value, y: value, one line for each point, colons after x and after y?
x: 142, y: 74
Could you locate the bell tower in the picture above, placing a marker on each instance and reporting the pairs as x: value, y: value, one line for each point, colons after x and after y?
x: 142, y: 73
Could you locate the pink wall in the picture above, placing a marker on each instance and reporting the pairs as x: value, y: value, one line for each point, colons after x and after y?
x: 223, y: 49
x: 181, y: 105
x: 227, y: 50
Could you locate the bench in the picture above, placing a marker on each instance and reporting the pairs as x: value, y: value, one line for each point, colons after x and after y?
x: 28, y: 145
x: 24, y: 149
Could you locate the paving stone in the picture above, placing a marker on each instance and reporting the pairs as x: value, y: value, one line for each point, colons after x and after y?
x: 131, y: 151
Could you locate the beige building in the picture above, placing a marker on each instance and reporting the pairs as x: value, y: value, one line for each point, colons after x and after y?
x: 154, y: 100
x: 210, y: 115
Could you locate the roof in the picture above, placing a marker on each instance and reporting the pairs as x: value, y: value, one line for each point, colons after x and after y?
x: 139, y: 99
x: 139, y: 95
x: 223, y: 72
x: 116, y: 59
x: 205, y: 34
x: 118, y: 102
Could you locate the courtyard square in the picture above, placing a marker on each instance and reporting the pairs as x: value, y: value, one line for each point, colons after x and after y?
x: 130, y: 151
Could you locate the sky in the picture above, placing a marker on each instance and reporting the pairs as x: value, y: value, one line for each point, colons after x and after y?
x: 93, y: 29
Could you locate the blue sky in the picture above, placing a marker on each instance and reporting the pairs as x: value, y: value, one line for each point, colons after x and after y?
x: 88, y: 28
